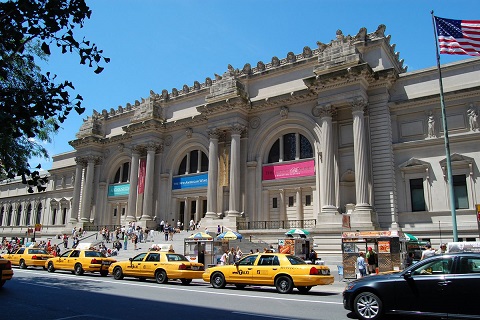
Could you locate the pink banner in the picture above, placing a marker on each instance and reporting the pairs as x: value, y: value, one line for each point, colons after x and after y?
x: 291, y: 170
x: 141, y: 175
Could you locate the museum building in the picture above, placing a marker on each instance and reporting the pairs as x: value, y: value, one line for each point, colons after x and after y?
x: 339, y: 137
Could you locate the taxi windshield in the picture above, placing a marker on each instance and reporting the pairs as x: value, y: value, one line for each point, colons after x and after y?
x: 91, y: 254
x: 37, y: 251
x: 176, y: 257
x: 295, y: 260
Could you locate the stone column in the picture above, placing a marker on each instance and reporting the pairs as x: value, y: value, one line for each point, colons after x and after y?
x: 212, y: 175
x: 76, y: 190
x: 197, y: 210
x: 299, y: 204
x: 186, y: 214
x: 88, y: 190
x: 251, y: 191
x: 149, y: 175
x: 360, y: 150
x: 283, y: 206
x: 328, y: 169
x: 132, y: 195
x: 234, y: 185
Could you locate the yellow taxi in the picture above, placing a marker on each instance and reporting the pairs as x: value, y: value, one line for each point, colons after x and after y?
x: 79, y: 261
x: 284, y: 271
x: 6, y: 272
x: 28, y: 257
x: 159, y: 265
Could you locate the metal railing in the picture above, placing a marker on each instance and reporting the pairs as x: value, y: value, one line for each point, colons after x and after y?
x: 286, y: 224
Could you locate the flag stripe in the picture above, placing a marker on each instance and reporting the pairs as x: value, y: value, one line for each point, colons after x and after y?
x: 458, y: 36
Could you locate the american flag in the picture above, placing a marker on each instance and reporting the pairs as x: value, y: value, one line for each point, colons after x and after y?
x: 458, y: 36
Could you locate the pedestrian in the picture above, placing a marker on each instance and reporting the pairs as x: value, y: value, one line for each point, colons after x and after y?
x: 428, y: 252
x: 442, y: 250
x: 218, y: 230
x: 313, y: 256
x: 165, y: 231
x: 362, y: 268
x: 65, y: 241
x: 201, y: 257
x: 224, y: 258
x: 371, y: 260
x: 135, y: 241
x: 162, y: 226
x: 125, y: 241
x: 409, y: 259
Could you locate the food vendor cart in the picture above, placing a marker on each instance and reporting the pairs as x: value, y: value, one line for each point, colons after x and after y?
x: 390, y: 247
x: 299, y: 247
x: 213, y: 249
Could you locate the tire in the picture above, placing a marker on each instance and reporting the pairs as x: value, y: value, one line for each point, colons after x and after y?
x: 22, y: 264
x: 117, y: 273
x: 78, y: 269
x: 50, y: 267
x: 186, y: 281
x: 104, y: 273
x: 284, y: 284
x: 218, y: 280
x: 368, y: 306
x: 240, y: 286
x: 304, y: 289
x: 161, y: 276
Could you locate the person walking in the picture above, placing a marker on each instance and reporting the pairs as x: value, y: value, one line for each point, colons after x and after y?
x: 125, y: 241
x: 361, y: 265
x: 371, y: 260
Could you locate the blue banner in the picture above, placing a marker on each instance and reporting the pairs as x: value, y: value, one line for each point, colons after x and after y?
x: 190, y: 181
x: 118, y: 190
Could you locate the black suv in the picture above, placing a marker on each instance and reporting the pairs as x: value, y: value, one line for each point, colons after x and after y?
x: 442, y: 286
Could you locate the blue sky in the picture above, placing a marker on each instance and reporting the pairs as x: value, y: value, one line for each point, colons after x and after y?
x: 164, y: 44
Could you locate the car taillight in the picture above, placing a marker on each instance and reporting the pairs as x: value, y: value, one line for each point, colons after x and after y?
x: 313, y: 271
x: 182, y: 267
x: 94, y: 261
x: 34, y: 257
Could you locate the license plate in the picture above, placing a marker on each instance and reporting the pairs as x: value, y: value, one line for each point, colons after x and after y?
x: 195, y: 268
x: 106, y: 263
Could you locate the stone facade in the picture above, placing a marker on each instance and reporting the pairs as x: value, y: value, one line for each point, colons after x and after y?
x: 340, y: 133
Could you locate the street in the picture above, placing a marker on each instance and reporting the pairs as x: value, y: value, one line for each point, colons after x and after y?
x: 37, y: 294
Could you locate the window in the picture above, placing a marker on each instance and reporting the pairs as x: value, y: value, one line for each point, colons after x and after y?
x: 274, y: 204
x: 1, y: 216
x: 64, y: 215
x: 291, y: 146
x: 290, y: 201
x: 441, y: 266
x: 417, y: 195
x: 38, y: 218
x: 122, y: 173
x: 194, y: 161
x: 19, y: 216
x: 460, y: 191
x: 115, y: 212
x: 9, y: 216
x: 308, y: 200
x: 54, y: 216
x: 29, y: 215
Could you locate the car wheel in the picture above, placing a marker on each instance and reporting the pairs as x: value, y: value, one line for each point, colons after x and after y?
x: 240, y: 286
x: 304, y: 289
x: 117, y: 273
x: 50, y: 267
x: 22, y: 264
x: 218, y: 280
x: 284, y: 284
x: 78, y: 269
x: 161, y: 276
x: 186, y: 281
x: 368, y: 306
x: 104, y: 273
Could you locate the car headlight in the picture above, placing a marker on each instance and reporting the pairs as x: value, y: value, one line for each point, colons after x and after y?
x: 350, y: 286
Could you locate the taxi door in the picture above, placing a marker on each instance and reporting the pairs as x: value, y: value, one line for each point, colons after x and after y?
x: 241, y: 272
x: 60, y: 262
x: 265, y: 269
x: 136, y: 266
x: 15, y: 257
x: 69, y: 263
x: 151, y: 263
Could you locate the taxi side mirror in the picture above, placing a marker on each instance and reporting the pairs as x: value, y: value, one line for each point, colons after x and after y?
x: 407, y: 275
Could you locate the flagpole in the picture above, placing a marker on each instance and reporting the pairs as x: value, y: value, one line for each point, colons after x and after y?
x: 447, y: 144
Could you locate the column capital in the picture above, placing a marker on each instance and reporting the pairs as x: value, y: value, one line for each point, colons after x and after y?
x: 358, y: 105
x: 237, y: 129
x: 213, y: 133
x: 325, y: 110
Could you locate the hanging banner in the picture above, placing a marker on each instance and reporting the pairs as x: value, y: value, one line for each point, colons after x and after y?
x: 141, y: 175
x: 290, y: 170
x: 190, y: 181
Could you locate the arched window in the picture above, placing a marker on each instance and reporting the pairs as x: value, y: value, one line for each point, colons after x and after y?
x: 2, y: 212
x: 290, y: 146
x: 9, y: 216
x: 194, y: 162
x: 122, y: 174
x: 19, y: 215
x: 64, y: 215
x: 54, y: 215
x: 29, y: 215
x: 38, y: 217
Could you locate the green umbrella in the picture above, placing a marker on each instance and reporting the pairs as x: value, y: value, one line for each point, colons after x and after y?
x: 410, y: 237
x: 298, y: 232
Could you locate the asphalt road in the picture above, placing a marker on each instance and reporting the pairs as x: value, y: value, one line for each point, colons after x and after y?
x: 37, y: 294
